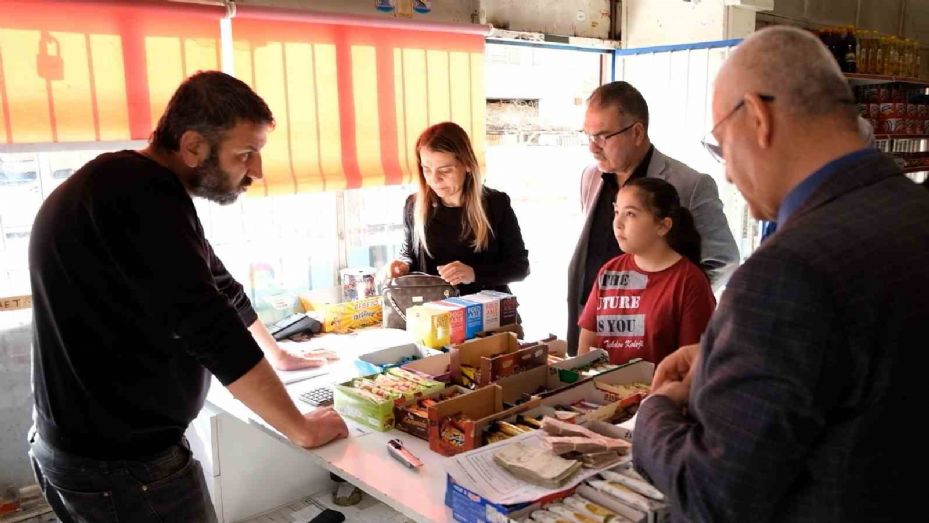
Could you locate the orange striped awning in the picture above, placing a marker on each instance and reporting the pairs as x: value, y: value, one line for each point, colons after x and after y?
x: 350, y: 100
x: 84, y: 71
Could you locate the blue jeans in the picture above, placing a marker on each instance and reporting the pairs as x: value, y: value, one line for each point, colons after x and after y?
x: 166, y: 487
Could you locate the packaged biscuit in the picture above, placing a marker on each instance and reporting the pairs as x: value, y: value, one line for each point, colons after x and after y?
x: 343, y: 317
x: 508, y: 305
x: 474, y: 316
x: 456, y: 319
x: 429, y: 326
x: 490, y: 309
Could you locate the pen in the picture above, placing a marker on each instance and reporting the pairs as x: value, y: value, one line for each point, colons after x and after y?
x: 400, y: 453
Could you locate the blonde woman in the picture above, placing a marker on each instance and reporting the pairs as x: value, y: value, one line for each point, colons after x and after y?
x: 454, y: 226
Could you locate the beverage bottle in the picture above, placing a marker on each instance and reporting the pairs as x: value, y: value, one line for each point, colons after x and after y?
x: 850, y: 43
x: 880, y: 51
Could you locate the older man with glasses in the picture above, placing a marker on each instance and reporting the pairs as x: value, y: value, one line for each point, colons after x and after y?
x: 798, y: 404
x: 616, y: 123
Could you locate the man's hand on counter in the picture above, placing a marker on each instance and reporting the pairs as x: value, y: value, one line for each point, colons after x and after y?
x: 279, y: 358
x: 322, y: 426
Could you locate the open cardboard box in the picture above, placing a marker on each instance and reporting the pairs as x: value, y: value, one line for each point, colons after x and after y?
x: 566, y: 368
x: 378, y: 415
x: 470, y: 507
x: 481, y: 407
x: 381, y: 360
x: 538, y: 381
x: 495, y: 357
x: 414, y: 423
x: 601, y: 390
x: 435, y: 367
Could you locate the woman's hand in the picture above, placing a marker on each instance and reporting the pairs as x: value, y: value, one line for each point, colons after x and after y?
x: 394, y: 269
x: 456, y: 273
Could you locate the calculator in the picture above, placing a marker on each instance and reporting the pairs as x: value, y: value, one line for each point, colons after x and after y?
x: 320, y: 397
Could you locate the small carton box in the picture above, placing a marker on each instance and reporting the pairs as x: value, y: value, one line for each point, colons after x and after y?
x: 490, y: 310
x: 508, y: 306
x: 456, y: 319
x: 414, y: 420
x: 429, y: 326
x: 377, y: 414
x: 477, y: 409
x: 495, y: 357
x: 349, y: 403
x: 469, y: 507
x: 381, y: 360
x: 434, y: 367
x: 474, y: 316
x: 345, y: 316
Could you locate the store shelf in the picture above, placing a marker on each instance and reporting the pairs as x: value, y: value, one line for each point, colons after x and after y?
x: 901, y: 136
x: 871, y: 79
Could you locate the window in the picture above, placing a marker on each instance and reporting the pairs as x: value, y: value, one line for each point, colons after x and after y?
x: 535, y: 153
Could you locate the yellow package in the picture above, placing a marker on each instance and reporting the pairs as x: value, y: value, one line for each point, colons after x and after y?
x: 429, y: 326
x: 343, y: 317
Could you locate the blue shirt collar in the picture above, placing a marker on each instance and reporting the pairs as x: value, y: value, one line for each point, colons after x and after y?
x: 802, y: 192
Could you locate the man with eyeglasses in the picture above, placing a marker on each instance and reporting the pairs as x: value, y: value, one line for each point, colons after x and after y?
x: 798, y: 404
x: 616, y: 123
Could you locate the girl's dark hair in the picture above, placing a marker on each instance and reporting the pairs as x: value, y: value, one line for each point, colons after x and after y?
x: 661, y: 198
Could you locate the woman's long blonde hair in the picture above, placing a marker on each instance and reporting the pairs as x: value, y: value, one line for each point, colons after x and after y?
x: 449, y: 137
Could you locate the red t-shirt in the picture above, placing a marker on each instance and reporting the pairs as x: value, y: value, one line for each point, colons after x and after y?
x: 648, y: 315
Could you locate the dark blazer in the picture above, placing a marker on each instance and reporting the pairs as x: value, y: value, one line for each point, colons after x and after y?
x: 810, y: 386
x: 505, y: 260
x: 719, y: 253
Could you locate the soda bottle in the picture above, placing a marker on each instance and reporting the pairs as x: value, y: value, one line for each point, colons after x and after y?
x: 880, y: 51
x: 850, y: 44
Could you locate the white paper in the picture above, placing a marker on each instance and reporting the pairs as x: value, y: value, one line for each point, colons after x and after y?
x: 293, y: 376
x: 476, y: 471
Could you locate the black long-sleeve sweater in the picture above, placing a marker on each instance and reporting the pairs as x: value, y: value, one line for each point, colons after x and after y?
x: 131, y: 311
x: 504, y: 261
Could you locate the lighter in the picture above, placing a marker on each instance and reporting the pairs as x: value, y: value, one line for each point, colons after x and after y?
x: 400, y: 453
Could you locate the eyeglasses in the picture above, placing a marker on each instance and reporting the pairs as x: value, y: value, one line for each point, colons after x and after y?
x: 601, y: 138
x: 709, y: 142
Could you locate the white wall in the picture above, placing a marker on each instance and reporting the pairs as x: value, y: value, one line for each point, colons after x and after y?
x: 678, y: 88
x: 648, y: 23
x: 588, y: 18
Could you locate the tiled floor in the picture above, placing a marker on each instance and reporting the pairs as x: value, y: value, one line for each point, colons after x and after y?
x: 367, y: 511
x: 301, y: 511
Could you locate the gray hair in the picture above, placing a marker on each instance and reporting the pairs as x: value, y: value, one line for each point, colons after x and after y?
x: 794, y: 66
x: 623, y: 97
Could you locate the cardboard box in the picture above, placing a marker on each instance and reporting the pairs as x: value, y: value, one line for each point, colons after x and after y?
x: 342, y: 317
x: 602, y: 390
x: 490, y: 310
x: 381, y: 360
x: 379, y: 415
x: 508, y: 306
x: 568, y: 368
x: 481, y: 407
x: 474, y: 316
x: 417, y: 424
x: 435, y: 367
x: 537, y: 381
x: 429, y: 326
x: 456, y: 319
x: 495, y: 357
x: 515, y: 328
x: 469, y: 507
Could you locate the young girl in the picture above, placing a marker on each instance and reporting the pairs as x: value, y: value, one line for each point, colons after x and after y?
x: 653, y: 299
x: 454, y: 226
